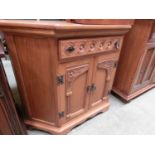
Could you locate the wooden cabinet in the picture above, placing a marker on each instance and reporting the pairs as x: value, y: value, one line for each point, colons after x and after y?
x: 9, y: 121
x: 64, y: 70
x: 135, y: 72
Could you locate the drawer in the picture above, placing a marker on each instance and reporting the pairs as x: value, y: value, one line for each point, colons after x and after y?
x: 80, y: 47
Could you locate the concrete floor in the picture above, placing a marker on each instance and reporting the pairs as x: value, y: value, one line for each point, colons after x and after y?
x: 136, y: 117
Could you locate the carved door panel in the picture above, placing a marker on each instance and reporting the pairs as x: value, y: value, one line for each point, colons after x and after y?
x: 103, y: 75
x: 146, y: 69
x: 73, y: 92
x: 153, y: 77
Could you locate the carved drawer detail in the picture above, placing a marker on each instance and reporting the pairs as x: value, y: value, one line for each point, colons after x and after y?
x: 78, y: 47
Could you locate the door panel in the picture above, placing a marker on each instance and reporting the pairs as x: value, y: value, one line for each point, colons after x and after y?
x: 146, y: 69
x: 103, y: 76
x: 153, y: 77
x: 77, y: 78
x: 76, y: 83
x: 153, y: 71
x: 148, y: 72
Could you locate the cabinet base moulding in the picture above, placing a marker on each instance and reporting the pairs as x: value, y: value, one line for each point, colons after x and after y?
x: 34, y: 124
x: 127, y: 98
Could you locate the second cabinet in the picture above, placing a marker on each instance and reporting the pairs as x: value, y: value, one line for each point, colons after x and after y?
x: 135, y: 73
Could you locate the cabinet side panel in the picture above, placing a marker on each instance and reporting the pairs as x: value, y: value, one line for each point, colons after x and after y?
x: 33, y: 55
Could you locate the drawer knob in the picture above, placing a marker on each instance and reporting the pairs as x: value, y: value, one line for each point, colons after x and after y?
x: 117, y: 44
x: 70, y: 49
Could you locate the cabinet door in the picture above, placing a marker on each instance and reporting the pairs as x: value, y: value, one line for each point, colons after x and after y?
x: 153, y: 77
x: 146, y: 69
x: 103, y: 75
x: 73, y: 92
x: 153, y: 71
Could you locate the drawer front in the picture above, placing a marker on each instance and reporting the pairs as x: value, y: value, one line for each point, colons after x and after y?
x: 79, y: 47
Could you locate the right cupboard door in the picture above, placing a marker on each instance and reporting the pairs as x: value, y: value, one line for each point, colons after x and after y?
x: 147, y: 77
x: 153, y: 70
x: 103, y: 75
x: 153, y: 77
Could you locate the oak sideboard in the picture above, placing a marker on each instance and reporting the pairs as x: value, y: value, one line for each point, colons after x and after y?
x: 64, y: 71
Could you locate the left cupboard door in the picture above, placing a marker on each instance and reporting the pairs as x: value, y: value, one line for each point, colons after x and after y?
x: 74, y: 89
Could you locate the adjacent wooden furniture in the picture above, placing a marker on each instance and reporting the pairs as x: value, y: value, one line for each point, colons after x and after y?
x: 9, y: 120
x: 64, y: 70
x: 136, y: 69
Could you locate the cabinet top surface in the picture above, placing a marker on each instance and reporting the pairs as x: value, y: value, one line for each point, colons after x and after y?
x: 57, y: 25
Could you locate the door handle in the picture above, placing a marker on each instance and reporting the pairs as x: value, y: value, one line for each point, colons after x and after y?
x: 88, y: 89
x: 93, y: 87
